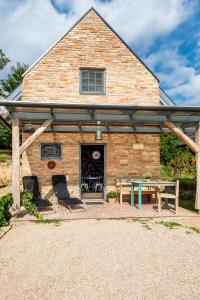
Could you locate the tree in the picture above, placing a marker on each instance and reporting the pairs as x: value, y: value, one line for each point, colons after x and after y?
x: 183, y: 163
x: 13, y: 79
x: 3, y: 60
x: 168, y: 146
x: 5, y: 137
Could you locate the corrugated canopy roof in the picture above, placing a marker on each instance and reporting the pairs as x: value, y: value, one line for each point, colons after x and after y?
x: 116, y: 118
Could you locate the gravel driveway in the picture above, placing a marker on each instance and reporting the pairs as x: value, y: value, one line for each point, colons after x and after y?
x: 99, y: 260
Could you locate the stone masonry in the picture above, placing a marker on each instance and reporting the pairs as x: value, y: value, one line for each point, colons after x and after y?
x: 55, y: 78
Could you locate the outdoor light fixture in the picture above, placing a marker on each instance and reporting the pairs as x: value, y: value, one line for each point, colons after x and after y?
x: 98, y: 133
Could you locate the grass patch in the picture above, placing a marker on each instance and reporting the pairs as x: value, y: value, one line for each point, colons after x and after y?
x: 6, y: 151
x: 5, y: 155
x: 147, y: 226
x: 118, y: 219
x: 170, y: 224
x: 5, y: 158
x: 46, y: 221
x: 128, y: 219
x: 195, y: 229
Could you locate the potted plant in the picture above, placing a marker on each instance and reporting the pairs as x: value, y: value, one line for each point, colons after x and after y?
x: 147, y: 176
x: 112, y: 197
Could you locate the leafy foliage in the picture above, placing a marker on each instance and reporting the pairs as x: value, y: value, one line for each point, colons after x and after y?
x: 5, y: 204
x: 5, y: 137
x: 26, y: 201
x: 111, y: 194
x: 3, y: 60
x: 13, y: 79
x: 168, y: 147
x: 147, y: 175
x: 183, y: 163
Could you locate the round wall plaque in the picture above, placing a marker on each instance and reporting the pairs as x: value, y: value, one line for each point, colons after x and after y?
x: 96, y: 154
x: 51, y: 164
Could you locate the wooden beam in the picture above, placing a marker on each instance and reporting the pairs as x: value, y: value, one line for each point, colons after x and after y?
x: 34, y: 136
x: 197, y: 199
x: 15, y: 165
x: 182, y: 136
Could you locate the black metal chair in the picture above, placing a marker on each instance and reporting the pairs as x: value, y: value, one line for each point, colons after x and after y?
x: 62, y: 193
x: 30, y: 184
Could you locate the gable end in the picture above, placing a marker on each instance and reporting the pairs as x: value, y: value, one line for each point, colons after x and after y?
x: 120, y: 38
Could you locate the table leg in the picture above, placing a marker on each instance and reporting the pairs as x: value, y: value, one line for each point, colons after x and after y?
x: 132, y: 195
x: 120, y: 195
x: 140, y: 196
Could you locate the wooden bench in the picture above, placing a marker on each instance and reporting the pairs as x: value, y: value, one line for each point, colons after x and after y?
x: 124, y: 188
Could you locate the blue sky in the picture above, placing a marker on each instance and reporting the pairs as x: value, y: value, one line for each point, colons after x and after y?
x: 164, y: 33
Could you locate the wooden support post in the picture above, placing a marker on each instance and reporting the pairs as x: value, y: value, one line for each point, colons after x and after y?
x: 35, y: 135
x: 15, y: 165
x: 182, y: 136
x: 197, y: 200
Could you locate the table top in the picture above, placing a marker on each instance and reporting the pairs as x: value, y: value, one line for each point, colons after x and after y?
x: 156, y: 182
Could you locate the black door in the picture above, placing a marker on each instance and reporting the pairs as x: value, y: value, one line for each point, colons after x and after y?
x: 92, y: 170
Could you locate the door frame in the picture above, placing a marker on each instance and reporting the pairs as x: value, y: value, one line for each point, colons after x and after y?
x: 105, y: 167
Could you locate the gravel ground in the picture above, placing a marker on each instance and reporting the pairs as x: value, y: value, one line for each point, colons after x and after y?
x: 99, y: 260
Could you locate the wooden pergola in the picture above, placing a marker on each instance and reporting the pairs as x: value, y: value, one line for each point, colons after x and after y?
x: 36, y: 118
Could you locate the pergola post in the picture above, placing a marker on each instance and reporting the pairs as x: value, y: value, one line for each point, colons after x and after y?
x: 197, y: 201
x: 195, y: 147
x: 15, y: 165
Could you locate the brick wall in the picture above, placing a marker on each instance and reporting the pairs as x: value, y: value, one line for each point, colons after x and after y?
x: 90, y: 44
x: 55, y: 78
x: 124, y: 157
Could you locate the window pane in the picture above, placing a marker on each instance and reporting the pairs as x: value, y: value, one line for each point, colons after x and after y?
x: 92, y: 75
x: 92, y: 88
x: 98, y: 82
x: 92, y: 81
x: 84, y: 81
x: 99, y: 75
x: 99, y: 88
x: 84, y: 74
x: 85, y: 88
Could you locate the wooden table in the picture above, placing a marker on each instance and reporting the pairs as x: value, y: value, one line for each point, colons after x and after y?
x: 157, y: 184
x: 122, y: 190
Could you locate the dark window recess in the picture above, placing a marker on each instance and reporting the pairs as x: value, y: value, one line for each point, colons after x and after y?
x: 92, y: 81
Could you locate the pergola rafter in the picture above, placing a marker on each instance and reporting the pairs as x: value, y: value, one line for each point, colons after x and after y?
x: 37, y: 118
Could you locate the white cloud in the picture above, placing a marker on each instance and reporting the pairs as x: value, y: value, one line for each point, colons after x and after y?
x: 180, y: 79
x: 29, y: 27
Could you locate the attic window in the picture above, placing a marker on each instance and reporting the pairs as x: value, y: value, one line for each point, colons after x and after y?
x: 92, y: 81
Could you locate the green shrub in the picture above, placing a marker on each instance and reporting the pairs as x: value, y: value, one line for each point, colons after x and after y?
x: 111, y: 194
x: 5, y: 204
x: 168, y: 146
x: 147, y: 175
x: 26, y: 201
x: 183, y: 163
x: 5, y: 137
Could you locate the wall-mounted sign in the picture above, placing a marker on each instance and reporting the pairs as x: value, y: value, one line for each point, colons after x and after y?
x: 50, y: 150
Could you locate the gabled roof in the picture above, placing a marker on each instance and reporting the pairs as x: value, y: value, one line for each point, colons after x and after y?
x: 16, y: 94
x: 91, y: 9
x: 165, y: 99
